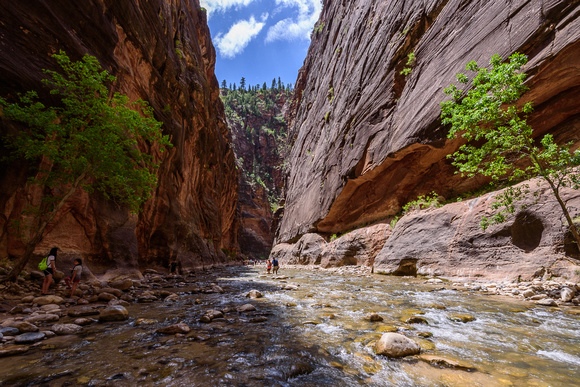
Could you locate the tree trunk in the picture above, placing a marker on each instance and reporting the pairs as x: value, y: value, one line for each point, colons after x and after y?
x: 37, y: 238
x: 573, y: 229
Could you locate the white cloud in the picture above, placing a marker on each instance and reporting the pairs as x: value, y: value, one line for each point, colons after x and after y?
x: 238, y: 37
x: 299, y: 27
x: 223, y: 5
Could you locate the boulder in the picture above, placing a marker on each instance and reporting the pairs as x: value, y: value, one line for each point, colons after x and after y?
x: 396, y: 345
x: 66, y: 329
x: 528, y: 293
x: 121, y: 283
x: 113, y: 313
x: 246, y: 308
x: 254, y: 294
x: 373, y: 317
x: 174, y: 329
x: 567, y: 294
x: 458, y: 317
x: 29, y: 337
x: 48, y: 299
x: 106, y: 297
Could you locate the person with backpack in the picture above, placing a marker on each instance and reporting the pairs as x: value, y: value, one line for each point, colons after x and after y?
x: 50, y: 269
x: 274, y: 266
x: 75, y: 276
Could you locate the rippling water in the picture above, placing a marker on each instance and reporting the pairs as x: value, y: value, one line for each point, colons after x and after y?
x: 314, y: 336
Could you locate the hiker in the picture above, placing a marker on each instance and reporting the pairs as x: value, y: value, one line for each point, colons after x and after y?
x: 275, y: 266
x: 75, y: 276
x: 268, y: 266
x: 50, y: 270
x: 173, y: 266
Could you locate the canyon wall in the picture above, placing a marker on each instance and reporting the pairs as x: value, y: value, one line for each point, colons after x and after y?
x: 160, y: 51
x: 367, y: 139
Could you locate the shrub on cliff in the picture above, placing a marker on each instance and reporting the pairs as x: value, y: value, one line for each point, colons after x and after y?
x: 90, y: 138
x: 500, y: 144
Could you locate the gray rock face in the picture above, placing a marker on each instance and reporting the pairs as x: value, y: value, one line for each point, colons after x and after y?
x: 448, y: 241
x: 368, y: 139
x: 396, y: 345
x: 113, y: 313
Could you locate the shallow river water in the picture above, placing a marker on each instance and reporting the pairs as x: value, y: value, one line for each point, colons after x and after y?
x: 315, y: 335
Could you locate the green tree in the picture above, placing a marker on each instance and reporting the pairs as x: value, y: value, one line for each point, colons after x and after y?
x: 90, y: 138
x: 243, y: 83
x: 500, y: 144
x: 224, y: 84
x: 273, y: 84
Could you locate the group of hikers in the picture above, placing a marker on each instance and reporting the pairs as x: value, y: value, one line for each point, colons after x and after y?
x: 272, y: 265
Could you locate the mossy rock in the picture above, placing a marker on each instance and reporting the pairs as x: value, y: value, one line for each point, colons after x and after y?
x: 386, y: 328
x: 464, y: 318
x: 425, y: 335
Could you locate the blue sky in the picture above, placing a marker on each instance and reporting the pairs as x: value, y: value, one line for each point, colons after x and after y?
x: 260, y: 39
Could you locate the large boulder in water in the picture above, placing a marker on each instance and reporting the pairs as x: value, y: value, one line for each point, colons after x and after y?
x: 396, y: 345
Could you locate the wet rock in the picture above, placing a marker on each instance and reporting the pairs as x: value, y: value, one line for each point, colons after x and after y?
x: 171, y: 298
x: 216, y: 289
x: 106, y: 297
x: 9, y: 331
x: 396, y: 345
x: 18, y: 309
x: 27, y: 299
x: 174, y: 329
x: 118, y: 302
x: 290, y: 287
x: 30, y: 337
x: 23, y: 326
x: 49, y: 299
x: 425, y: 335
x: 83, y: 321
x: 145, y: 321
x: 538, y: 297
x: 311, y: 322
x: 373, y: 317
x: 66, y: 329
x: 416, y: 320
x: 146, y: 297
x: 464, y: 318
x: 254, y: 294
x: 113, y: 291
x: 259, y: 319
x: 547, y: 302
x: 42, y: 318
x: 50, y: 308
x: 386, y: 328
x: 121, y: 283
x: 210, y: 315
x: 12, y: 350
x: 83, y: 311
x: 528, y: 293
x: 113, y: 313
x: 246, y: 308
x: 435, y: 281
x: 441, y: 362
x: 567, y: 294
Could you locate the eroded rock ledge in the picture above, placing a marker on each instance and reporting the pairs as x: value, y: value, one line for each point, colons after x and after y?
x: 449, y: 242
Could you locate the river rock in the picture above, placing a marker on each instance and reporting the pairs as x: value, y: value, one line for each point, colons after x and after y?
x: 106, y: 296
x: 113, y: 313
x: 42, y: 318
x: 441, y: 362
x: 373, y: 317
x: 464, y: 318
x: 567, y: 294
x: 82, y: 321
x: 50, y: 308
x: 12, y: 350
x: 171, y: 298
x: 210, y: 315
x: 121, y: 283
x: 18, y: 309
x: 118, y: 302
x: 246, y: 308
x: 259, y: 319
x: 547, y: 302
x: 9, y: 331
x: 528, y: 293
x: 174, y: 329
x: 416, y: 320
x: 254, y: 294
x: 66, y: 329
x: 30, y: 337
x: 24, y: 326
x: 49, y: 299
x: 145, y: 321
x: 396, y: 345
x: 113, y: 291
x: 27, y: 299
x: 83, y: 311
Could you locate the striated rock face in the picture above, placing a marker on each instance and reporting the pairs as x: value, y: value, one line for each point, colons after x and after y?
x: 449, y: 242
x: 160, y: 51
x: 368, y: 139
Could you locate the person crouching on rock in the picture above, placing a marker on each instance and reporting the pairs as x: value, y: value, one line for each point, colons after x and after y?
x: 75, y: 276
x: 50, y: 270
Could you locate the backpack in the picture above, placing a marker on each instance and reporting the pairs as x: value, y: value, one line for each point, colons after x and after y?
x: 43, y: 265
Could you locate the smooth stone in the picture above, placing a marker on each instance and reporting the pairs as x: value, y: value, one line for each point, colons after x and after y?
x: 373, y: 317
x: 254, y: 294
x: 425, y: 335
x: 386, y: 328
x: 547, y: 302
x: 29, y: 337
x: 395, y: 345
x: 528, y: 293
x: 106, y: 296
x: 24, y: 326
x: 113, y: 291
x: 83, y: 311
x: 145, y: 321
x: 121, y: 283
x: 246, y: 308
x: 442, y: 362
x: 83, y: 321
x: 49, y: 299
x: 9, y: 331
x: 42, y: 318
x: 27, y: 299
x: 50, y: 308
x: 464, y: 318
x: 416, y: 320
x: 259, y: 319
x: 174, y: 329
x: 566, y: 294
x: 113, y: 313
x: 66, y: 329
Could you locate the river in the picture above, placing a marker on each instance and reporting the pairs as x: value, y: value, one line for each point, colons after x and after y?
x: 314, y: 335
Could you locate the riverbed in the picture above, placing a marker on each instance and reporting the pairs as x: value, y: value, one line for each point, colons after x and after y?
x: 310, y: 328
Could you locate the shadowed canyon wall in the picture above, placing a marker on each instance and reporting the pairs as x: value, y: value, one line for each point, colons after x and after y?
x: 368, y: 139
x: 160, y: 51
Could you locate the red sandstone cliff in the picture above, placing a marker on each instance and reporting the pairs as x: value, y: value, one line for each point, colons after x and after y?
x: 161, y: 52
x: 368, y: 139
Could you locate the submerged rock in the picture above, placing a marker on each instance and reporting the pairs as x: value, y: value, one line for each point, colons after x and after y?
x: 396, y: 345
x: 464, y: 318
x: 442, y: 362
x: 113, y: 313
x: 66, y: 329
x: 174, y: 329
x: 12, y: 350
x: 373, y: 317
x: 254, y: 294
x: 246, y: 308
